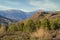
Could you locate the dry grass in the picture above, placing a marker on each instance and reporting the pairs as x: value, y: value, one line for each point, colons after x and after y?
x: 41, y: 34
x: 2, y: 29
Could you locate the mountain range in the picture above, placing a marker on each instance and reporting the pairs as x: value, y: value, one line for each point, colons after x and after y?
x: 16, y: 14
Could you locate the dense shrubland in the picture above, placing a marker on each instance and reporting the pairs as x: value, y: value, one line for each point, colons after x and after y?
x: 42, y: 26
x: 30, y: 27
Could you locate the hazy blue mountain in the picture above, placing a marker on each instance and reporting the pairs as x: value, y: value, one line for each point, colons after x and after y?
x: 30, y: 14
x: 14, y: 14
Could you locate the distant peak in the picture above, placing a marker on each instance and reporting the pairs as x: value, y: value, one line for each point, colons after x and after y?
x: 13, y: 10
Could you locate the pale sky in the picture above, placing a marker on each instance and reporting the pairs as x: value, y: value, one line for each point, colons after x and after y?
x: 30, y: 5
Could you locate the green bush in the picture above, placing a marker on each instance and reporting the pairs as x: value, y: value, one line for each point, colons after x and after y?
x: 20, y: 26
x: 37, y: 24
x: 57, y: 23
x: 12, y: 28
x: 30, y: 26
x: 52, y: 25
x: 46, y: 23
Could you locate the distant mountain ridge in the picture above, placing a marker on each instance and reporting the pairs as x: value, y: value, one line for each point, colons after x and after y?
x: 14, y: 14
x: 6, y: 21
x: 21, y: 15
x: 17, y: 14
x: 4, y: 18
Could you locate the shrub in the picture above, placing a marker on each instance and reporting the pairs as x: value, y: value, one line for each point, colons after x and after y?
x: 20, y: 26
x: 46, y: 23
x: 37, y: 24
x: 12, y: 28
x: 30, y: 26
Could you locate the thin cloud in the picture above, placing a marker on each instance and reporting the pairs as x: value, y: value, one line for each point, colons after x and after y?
x: 13, y: 3
x: 44, y: 4
x: 30, y: 5
x: 6, y: 8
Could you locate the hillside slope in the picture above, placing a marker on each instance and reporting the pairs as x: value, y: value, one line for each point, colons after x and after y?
x: 41, y: 26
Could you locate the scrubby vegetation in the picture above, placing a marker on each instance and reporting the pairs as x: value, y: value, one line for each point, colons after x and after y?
x: 38, y: 29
